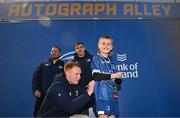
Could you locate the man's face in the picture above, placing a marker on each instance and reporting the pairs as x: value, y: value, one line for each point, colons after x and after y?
x: 80, y: 50
x: 74, y: 75
x: 55, y: 53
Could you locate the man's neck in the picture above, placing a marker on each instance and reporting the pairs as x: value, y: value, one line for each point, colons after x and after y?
x: 55, y: 60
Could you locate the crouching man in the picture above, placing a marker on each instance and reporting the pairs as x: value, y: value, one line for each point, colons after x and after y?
x: 64, y: 98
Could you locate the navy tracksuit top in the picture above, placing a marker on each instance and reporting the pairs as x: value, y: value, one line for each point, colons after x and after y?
x: 44, y: 75
x: 63, y: 99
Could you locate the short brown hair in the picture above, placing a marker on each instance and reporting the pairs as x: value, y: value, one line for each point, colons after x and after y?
x: 56, y: 46
x: 78, y: 43
x: 106, y: 37
x: 70, y: 65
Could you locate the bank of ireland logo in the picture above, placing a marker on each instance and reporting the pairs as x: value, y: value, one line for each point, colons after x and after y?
x: 67, y: 57
x: 121, y: 57
x: 128, y: 69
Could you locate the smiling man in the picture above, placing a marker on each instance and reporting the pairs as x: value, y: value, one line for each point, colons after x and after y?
x: 64, y: 98
x: 44, y: 74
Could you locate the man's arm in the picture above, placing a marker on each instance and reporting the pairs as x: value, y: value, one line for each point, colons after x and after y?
x: 71, y: 106
x: 36, y: 79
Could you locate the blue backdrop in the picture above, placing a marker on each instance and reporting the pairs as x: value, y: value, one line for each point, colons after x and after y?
x: 146, y: 51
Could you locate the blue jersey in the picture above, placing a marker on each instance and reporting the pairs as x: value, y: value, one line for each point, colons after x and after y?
x: 107, y: 99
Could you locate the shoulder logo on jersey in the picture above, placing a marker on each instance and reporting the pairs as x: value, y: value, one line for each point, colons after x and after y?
x: 60, y: 67
x: 76, y: 93
x: 88, y: 60
x: 47, y: 64
x: 70, y: 94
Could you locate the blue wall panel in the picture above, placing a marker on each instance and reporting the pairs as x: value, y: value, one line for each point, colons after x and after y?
x: 151, y: 49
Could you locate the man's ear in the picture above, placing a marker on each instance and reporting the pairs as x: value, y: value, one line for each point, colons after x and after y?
x: 67, y: 73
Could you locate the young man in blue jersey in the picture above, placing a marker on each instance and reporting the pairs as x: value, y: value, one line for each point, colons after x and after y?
x: 107, y: 79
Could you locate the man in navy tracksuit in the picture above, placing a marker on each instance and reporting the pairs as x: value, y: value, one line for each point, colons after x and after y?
x: 44, y: 74
x: 63, y: 97
x: 84, y: 58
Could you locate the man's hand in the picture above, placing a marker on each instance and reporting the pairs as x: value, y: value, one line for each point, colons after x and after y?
x: 37, y: 93
x: 90, y: 89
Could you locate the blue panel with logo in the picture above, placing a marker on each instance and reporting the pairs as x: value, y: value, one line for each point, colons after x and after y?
x: 145, y: 51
